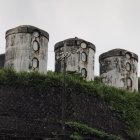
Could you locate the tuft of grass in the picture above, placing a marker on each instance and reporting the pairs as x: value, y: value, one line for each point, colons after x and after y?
x: 76, y: 136
x: 83, y: 129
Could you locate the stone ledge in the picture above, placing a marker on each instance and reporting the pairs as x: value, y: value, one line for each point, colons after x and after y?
x: 26, y: 29
x: 117, y: 52
x: 72, y: 42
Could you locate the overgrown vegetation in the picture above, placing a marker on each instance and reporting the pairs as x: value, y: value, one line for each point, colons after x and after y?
x: 82, y: 129
x: 76, y: 136
x: 139, y: 84
x: 127, y: 104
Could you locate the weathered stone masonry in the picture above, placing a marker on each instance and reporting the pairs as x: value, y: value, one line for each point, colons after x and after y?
x: 81, y: 55
x: 27, y: 49
x: 119, y: 68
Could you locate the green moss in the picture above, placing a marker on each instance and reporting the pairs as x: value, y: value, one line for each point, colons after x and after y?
x: 76, y: 136
x: 83, y: 129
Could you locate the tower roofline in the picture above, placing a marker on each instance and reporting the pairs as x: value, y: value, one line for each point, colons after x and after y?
x: 117, y: 52
x: 72, y: 41
x: 26, y: 29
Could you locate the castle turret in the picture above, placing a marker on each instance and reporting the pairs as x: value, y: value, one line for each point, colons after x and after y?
x: 79, y: 54
x: 118, y: 68
x: 27, y: 49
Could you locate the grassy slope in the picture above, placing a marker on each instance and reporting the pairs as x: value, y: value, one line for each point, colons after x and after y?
x: 82, y: 129
x: 127, y: 104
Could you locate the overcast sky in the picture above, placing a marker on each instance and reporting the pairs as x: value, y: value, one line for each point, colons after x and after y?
x: 108, y: 24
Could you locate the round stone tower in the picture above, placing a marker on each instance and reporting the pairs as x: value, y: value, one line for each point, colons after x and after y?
x: 119, y: 68
x: 79, y: 56
x: 27, y: 49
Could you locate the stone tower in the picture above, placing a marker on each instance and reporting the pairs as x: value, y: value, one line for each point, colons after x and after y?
x: 27, y: 49
x: 80, y: 57
x: 118, y: 68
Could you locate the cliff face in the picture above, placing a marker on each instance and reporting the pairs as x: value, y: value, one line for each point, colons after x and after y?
x: 31, y: 105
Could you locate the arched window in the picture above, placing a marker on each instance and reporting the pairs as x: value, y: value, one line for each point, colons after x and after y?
x: 84, y: 72
x: 128, y: 66
x: 36, y: 46
x: 35, y: 63
x: 129, y: 83
x: 83, y: 56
